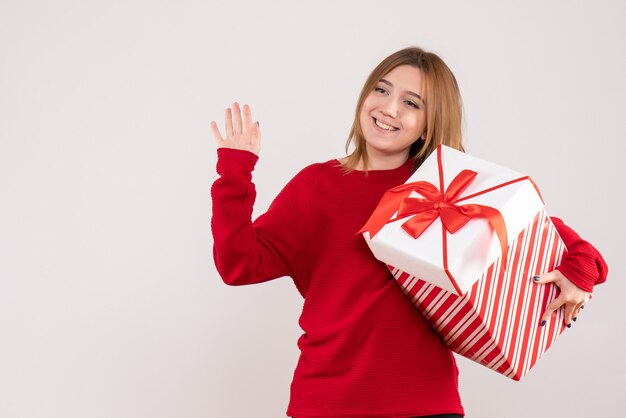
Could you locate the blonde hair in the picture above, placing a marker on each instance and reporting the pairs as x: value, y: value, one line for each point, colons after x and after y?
x: 442, y: 100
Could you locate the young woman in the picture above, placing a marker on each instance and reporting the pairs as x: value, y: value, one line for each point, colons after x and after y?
x: 365, y: 350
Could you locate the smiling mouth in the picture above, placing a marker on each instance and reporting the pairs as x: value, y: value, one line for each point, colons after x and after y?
x: 383, y: 126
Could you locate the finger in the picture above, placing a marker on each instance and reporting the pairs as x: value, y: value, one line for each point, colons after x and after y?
x: 229, y: 123
x: 546, y: 277
x: 569, y: 314
x: 579, y: 307
x: 552, y: 306
x: 216, y: 133
x: 236, y: 119
x: 255, y: 138
x: 247, y: 119
x: 584, y: 303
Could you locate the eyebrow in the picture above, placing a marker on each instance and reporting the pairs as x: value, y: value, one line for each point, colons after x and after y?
x: 382, y: 80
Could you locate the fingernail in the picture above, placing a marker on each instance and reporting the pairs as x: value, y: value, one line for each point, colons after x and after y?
x: 543, y: 322
x: 258, y: 123
x: 536, y: 278
x: 582, y: 306
x: 569, y: 325
x: 575, y: 318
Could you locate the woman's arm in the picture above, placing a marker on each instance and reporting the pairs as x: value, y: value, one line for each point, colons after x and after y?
x: 247, y: 252
x: 583, y: 264
x: 580, y: 269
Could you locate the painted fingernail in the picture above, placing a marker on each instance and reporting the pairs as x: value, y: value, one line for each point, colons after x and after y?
x: 543, y: 322
x: 536, y: 278
x: 582, y: 306
x: 569, y: 325
x: 575, y: 318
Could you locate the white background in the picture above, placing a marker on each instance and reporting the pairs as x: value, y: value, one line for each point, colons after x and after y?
x: 110, y: 305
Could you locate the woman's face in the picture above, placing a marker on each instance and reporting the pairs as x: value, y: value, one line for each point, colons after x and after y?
x: 393, y: 114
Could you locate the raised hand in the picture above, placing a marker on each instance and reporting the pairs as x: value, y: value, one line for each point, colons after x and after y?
x: 245, y: 136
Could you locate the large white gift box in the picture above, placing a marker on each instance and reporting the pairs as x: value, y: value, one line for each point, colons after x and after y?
x: 463, y: 237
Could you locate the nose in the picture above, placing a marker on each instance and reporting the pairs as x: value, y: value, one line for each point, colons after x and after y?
x: 389, y: 108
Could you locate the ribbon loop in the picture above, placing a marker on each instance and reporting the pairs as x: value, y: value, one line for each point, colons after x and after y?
x: 419, y: 222
x: 459, y: 184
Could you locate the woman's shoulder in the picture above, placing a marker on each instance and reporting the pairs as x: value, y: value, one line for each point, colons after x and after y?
x: 319, y: 169
x: 313, y: 175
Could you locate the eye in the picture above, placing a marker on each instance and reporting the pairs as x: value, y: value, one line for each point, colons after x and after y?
x: 380, y: 89
x: 412, y: 104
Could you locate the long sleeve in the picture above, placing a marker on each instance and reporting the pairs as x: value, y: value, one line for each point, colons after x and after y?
x: 247, y: 252
x: 583, y: 265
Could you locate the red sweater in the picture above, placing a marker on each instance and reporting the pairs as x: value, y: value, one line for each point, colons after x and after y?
x: 365, y: 350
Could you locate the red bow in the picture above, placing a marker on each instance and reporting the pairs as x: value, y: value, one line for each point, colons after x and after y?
x: 423, y: 212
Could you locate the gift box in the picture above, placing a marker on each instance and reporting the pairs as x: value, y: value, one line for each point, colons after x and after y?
x: 463, y: 237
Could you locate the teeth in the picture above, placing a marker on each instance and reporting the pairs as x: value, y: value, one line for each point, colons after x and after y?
x: 383, y: 126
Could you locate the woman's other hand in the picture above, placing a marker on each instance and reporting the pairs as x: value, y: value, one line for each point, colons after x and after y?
x: 244, y: 136
x: 571, y: 297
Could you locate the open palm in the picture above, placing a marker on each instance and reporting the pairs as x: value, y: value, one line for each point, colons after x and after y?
x: 239, y: 135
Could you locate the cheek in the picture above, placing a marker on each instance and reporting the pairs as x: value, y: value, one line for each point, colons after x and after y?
x: 417, y: 124
x: 370, y: 102
x: 365, y: 111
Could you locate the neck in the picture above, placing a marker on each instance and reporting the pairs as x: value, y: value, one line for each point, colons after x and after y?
x: 378, y: 161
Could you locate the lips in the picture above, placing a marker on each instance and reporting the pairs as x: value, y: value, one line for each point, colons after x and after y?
x: 380, y: 128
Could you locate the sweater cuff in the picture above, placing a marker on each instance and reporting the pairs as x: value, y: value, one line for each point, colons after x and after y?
x: 235, y: 161
x: 582, y: 272
x: 582, y: 264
